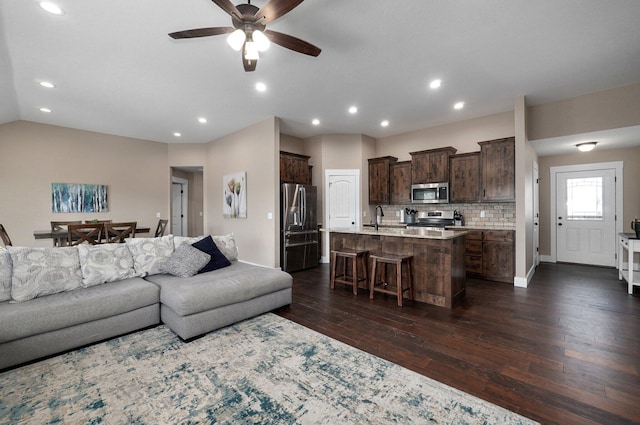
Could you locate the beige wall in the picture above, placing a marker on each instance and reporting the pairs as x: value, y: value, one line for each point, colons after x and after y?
x: 292, y: 144
x: 195, y: 207
x: 255, y: 150
x: 32, y: 156
x: 584, y: 114
x: 192, y: 155
x: 525, y: 186
x: 462, y: 135
x: 631, y: 172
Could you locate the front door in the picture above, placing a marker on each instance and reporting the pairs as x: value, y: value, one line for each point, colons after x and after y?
x: 585, y: 221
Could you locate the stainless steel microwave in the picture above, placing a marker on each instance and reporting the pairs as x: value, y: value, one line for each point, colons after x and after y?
x: 430, y: 193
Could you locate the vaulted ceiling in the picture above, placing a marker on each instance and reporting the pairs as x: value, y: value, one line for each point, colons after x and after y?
x: 116, y: 71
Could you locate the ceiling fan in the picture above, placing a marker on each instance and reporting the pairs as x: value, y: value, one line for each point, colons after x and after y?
x: 249, y: 31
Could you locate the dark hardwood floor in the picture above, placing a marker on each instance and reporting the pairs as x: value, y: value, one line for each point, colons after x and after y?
x: 566, y: 350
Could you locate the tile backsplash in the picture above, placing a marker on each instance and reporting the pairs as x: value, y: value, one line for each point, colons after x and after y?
x: 498, y: 215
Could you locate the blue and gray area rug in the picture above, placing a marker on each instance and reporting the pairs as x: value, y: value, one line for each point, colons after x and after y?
x: 267, y: 370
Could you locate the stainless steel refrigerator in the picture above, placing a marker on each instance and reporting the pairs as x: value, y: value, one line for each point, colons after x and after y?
x: 299, y: 235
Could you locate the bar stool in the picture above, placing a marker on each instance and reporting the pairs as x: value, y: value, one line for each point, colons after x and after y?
x: 354, y: 256
x: 398, y: 261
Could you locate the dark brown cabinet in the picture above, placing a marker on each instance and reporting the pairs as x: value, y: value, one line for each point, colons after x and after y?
x: 294, y: 168
x: 464, y: 177
x: 489, y: 254
x: 431, y: 166
x: 498, y: 165
x: 400, y: 180
x: 379, y: 182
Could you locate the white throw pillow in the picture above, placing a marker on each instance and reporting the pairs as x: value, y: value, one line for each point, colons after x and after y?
x: 227, y: 245
x: 44, y: 271
x: 105, y: 263
x: 179, y: 240
x: 149, y: 253
x: 5, y: 274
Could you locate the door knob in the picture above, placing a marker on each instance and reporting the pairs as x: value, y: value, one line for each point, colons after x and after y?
x: 559, y: 224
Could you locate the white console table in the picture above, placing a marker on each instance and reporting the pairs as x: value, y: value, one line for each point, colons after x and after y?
x: 629, y: 243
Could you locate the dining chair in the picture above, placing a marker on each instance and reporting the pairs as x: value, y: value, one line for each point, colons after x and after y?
x: 4, y: 236
x: 118, y: 232
x: 162, y: 226
x: 59, y: 231
x: 90, y: 233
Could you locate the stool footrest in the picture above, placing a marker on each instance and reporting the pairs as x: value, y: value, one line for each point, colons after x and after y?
x: 398, y: 261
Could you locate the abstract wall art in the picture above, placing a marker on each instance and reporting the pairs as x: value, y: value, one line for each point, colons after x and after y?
x: 78, y: 198
x: 234, y: 192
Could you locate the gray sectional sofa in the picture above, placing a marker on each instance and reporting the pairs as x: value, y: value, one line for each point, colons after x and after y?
x: 56, y: 299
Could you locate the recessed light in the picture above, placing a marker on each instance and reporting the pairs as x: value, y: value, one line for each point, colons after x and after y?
x: 47, y: 110
x: 176, y: 134
x: 47, y: 84
x: 385, y: 123
x: 261, y: 86
x: 353, y: 110
x: 51, y: 8
x: 435, y: 83
x: 202, y: 120
x: 315, y: 121
x: 458, y: 105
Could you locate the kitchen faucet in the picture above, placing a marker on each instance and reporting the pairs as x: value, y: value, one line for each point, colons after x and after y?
x: 381, y: 215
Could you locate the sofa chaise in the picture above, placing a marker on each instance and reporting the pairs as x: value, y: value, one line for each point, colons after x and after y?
x: 57, y: 299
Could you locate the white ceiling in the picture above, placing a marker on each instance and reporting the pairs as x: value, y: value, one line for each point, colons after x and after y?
x: 116, y: 71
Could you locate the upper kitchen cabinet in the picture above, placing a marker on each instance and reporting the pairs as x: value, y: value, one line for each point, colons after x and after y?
x: 498, y: 165
x: 379, y: 179
x: 464, y: 177
x: 400, y: 176
x: 294, y: 168
x: 431, y: 166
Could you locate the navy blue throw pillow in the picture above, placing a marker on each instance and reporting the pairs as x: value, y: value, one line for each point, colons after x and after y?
x: 218, y: 260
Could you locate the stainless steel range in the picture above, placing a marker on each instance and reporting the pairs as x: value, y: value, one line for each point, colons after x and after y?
x: 434, y: 220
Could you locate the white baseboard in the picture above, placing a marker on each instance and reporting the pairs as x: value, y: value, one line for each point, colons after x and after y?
x: 522, y: 282
x: 324, y: 259
x: 547, y: 259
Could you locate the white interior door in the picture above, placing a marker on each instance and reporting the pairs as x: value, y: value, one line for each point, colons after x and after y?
x: 586, y: 214
x: 176, y: 209
x: 342, y: 202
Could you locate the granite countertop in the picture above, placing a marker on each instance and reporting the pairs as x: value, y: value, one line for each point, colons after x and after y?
x: 412, y: 232
x: 476, y: 227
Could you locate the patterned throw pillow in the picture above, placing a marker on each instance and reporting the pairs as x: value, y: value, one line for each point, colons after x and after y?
x: 185, y: 261
x: 44, y: 271
x: 149, y: 253
x: 105, y: 263
x: 179, y: 240
x: 218, y: 260
x: 227, y: 245
x: 5, y: 275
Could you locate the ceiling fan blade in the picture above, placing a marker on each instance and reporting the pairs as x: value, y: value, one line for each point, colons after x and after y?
x: 292, y: 43
x: 228, y: 7
x: 201, y: 32
x: 274, y: 9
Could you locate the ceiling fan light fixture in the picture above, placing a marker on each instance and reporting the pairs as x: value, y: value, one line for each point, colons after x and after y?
x: 250, y: 51
x: 236, y: 39
x: 261, y: 41
x: 586, y: 147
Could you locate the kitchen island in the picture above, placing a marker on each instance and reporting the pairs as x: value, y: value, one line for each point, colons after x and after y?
x: 438, y: 258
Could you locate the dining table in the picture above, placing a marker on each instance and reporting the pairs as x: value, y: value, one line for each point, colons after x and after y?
x: 61, y: 235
